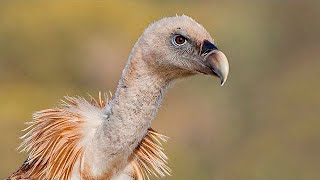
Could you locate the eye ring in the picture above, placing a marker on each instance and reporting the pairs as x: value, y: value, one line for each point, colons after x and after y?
x: 179, y: 40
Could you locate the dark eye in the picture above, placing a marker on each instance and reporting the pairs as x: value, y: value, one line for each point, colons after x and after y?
x: 179, y: 39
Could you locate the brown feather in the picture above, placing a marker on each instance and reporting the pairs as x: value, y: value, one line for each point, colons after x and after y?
x: 150, y: 158
x: 53, y: 140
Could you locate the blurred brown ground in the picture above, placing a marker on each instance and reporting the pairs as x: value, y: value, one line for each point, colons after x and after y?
x: 263, y: 124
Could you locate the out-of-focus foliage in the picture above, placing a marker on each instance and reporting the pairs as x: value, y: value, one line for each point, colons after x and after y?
x: 263, y: 124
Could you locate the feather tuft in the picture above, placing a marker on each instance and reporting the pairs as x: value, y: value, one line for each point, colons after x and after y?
x: 53, y: 139
x: 149, y: 158
x: 54, y: 143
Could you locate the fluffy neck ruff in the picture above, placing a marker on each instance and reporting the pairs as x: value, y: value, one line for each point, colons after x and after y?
x: 54, y: 142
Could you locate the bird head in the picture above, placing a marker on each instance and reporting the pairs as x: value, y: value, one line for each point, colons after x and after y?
x: 178, y: 47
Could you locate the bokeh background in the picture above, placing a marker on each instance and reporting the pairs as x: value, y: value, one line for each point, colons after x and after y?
x: 263, y: 124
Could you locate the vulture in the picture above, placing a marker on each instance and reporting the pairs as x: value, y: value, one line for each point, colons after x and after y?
x: 110, y: 137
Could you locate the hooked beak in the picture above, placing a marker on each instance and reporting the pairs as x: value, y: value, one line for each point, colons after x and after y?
x: 215, y: 60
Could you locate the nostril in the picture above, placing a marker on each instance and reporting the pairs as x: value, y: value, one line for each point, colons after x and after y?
x: 207, y: 46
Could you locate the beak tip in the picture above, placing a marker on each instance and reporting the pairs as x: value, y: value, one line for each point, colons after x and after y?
x: 221, y: 64
x: 223, y: 81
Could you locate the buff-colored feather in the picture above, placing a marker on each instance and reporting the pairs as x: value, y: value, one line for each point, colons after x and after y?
x: 150, y: 158
x: 53, y: 141
x: 54, y: 138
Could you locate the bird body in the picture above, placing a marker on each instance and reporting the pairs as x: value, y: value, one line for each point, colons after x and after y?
x: 113, y: 139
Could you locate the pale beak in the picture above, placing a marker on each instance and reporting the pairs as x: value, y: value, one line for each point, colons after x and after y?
x: 215, y: 60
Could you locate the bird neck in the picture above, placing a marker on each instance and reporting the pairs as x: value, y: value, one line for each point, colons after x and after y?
x: 128, y: 115
x: 139, y: 93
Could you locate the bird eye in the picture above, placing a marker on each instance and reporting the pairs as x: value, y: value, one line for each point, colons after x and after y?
x: 179, y: 40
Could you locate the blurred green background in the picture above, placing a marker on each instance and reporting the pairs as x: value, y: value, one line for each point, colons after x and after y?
x: 263, y: 124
